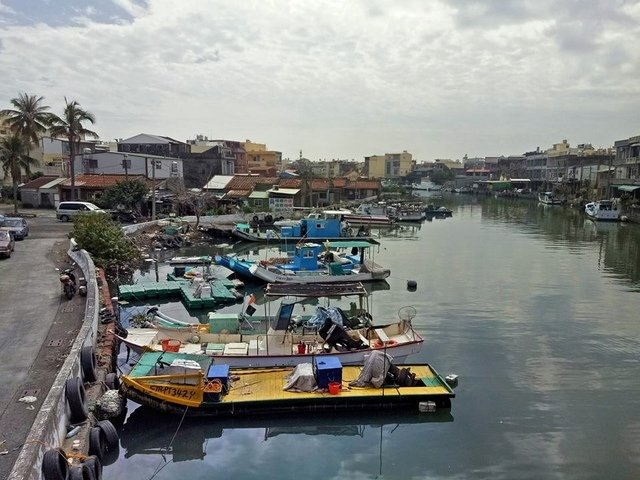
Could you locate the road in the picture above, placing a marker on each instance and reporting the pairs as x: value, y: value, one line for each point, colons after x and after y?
x: 33, y: 315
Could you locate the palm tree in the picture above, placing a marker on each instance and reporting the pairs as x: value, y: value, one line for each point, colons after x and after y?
x: 70, y: 126
x: 29, y: 119
x: 14, y: 158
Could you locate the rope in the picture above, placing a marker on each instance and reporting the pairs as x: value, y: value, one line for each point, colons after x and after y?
x: 160, y: 466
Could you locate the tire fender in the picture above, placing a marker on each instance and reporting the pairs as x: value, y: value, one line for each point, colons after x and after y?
x: 81, y: 472
x: 94, y: 463
x: 112, y: 381
x: 110, y: 434
x: 55, y: 465
x: 97, y: 443
x: 76, y: 398
x: 88, y: 364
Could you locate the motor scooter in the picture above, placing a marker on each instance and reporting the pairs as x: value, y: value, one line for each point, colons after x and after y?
x: 68, y: 280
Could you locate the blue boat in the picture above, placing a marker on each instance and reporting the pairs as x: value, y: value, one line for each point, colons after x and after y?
x: 321, y: 226
x: 313, y: 263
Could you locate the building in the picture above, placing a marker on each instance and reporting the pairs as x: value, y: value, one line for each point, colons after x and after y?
x: 91, y: 187
x: 627, y: 160
x: 154, y: 145
x: 42, y: 192
x: 389, y: 165
x: 261, y: 161
x: 128, y: 164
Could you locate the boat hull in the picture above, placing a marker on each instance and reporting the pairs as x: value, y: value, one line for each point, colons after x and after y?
x: 260, y: 391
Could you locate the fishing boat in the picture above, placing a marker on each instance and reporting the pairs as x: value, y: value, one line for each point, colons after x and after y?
x: 433, y: 211
x: 603, y: 210
x: 549, y: 198
x: 319, y: 226
x: 291, y: 336
x: 193, y: 384
x: 371, y: 214
x: 313, y: 263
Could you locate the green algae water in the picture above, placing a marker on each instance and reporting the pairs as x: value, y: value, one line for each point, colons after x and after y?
x: 537, y: 309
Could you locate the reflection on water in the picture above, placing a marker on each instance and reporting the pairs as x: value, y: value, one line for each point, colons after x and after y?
x: 534, y: 307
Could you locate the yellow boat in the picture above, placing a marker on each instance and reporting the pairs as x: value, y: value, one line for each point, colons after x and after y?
x: 175, y: 382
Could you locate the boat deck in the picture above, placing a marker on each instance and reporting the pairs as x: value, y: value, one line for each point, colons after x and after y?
x: 252, y: 388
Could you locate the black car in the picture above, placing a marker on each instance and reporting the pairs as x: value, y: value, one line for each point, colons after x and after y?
x: 18, y: 226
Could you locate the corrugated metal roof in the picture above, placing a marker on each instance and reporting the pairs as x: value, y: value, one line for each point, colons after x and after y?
x: 218, y: 182
x: 39, y: 182
x: 100, y: 181
x: 284, y: 191
x: 259, y: 194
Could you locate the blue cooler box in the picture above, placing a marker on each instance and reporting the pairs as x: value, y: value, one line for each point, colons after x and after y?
x: 327, y: 370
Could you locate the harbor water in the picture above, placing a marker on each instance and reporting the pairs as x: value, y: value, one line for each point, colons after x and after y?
x: 536, y: 308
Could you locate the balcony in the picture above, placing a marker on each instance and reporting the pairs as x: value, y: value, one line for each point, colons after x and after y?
x: 632, y: 160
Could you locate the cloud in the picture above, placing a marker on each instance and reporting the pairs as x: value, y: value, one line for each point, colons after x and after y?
x: 341, y: 80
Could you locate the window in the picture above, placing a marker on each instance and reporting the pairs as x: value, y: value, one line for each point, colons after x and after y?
x: 91, y: 162
x: 257, y: 202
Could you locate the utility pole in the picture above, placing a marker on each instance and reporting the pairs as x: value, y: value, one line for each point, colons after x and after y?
x: 125, y: 165
x: 153, y: 189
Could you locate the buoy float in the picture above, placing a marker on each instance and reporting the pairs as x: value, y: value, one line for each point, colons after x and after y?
x: 381, y: 344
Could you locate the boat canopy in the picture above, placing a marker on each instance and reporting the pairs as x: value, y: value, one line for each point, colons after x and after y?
x: 349, y: 244
x: 628, y: 188
x: 314, y: 289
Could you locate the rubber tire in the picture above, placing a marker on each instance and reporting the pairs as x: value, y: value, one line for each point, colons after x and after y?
x: 110, y: 434
x: 64, y: 218
x: 97, y: 443
x: 55, y: 465
x: 96, y: 465
x: 81, y: 472
x: 77, y: 400
x: 112, y: 381
x: 88, y: 364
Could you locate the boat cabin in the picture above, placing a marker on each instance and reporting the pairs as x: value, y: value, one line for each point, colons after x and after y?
x: 325, y: 224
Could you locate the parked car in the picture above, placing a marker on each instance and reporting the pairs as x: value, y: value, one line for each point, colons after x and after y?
x: 18, y: 226
x: 7, y: 242
x: 67, y: 210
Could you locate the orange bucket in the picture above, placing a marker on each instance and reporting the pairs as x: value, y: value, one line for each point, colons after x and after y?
x: 334, y: 388
x: 170, y: 345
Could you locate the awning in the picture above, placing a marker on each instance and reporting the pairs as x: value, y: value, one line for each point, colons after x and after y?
x: 627, y: 188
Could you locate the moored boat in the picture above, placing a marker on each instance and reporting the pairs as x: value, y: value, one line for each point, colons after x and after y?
x: 313, y: 263
x: 189, y: 384
x: 603, y: 210
x: 287, y: 338
x: 319, y: 226
x: 549, y: 198
x: 370, y: 214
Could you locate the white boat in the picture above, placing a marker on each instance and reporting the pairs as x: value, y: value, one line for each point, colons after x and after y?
x: 549, y: 198
x: 371, y: 214
x: 603, y: 210
x: 287, y: 339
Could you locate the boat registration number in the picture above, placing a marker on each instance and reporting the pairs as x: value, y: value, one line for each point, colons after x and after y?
x: 185, y: 393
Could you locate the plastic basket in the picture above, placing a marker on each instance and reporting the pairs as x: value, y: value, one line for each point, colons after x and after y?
x: 170, y: 345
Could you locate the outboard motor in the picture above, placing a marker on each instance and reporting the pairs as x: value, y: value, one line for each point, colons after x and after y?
x: 337, y: 337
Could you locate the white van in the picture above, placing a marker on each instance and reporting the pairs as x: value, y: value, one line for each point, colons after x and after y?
x: 67, y: 210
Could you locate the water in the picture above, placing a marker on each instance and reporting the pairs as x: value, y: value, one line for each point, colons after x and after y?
x: 535, y: 308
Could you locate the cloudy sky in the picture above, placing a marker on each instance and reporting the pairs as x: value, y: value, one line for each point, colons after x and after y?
x: 333, y: 78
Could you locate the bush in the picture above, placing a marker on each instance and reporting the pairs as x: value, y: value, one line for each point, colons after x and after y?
x: 99, y: 235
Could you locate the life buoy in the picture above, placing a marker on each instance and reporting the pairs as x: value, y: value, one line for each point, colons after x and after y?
x: 381, y: 344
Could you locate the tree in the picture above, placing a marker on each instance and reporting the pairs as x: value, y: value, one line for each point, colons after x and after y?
x: 29, y: 119
x: 441, y: 176
x: 99, y: 235
x: 127, y: 194
x: 14, y: 158
x: 70, y: 126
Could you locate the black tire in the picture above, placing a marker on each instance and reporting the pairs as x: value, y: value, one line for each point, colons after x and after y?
x: 81, y: 472
x: 88, y: 364
x: 268, y: 219
x: 255, y: 219
x: 77, y: 400
x: 64, y: 218
x: 112, y: 381
x: 68, y: 291
x: 110, y: 434
x: 179, y: 241
x: 94, y: 463
x: 55, y: 465
x: 97, y: 443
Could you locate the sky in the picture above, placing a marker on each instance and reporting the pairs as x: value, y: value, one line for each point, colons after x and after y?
x: 336, y: 79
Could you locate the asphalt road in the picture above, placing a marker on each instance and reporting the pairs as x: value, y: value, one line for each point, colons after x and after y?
x: 33, y: 314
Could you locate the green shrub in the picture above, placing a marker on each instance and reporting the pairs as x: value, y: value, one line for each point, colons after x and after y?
x: 104, y: 239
